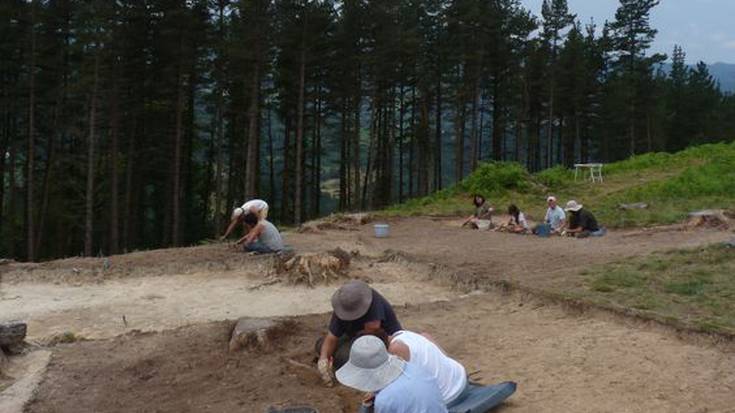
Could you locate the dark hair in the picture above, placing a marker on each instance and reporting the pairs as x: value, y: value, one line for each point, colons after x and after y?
x: 474, y: 199
x: 251, y: 219
x: 514, y: 211
x: 381, y: 334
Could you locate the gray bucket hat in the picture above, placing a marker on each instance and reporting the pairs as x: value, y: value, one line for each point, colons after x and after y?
x: 352, y: 300
x: 370, y: 367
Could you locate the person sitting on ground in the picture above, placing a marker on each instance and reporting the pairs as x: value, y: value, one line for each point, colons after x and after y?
x: 482, y: 218
x: 255, y: 206
x: 398, y: 386
x: 517, y: 223
x: 581, y: 222
x: 262, y: 237
x: 555, y: 217
x: 357, y: 308
x: 450, y: 375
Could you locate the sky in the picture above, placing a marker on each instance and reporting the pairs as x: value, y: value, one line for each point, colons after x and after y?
x: 704, y: 28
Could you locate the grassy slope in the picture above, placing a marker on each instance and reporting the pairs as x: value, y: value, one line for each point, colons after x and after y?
x: 693, y: 288
x: 672, y: 184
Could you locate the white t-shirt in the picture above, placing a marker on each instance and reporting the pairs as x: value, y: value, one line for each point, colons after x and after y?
x: 255, y: 205
x: 449, y: 374
x: 554, y: 216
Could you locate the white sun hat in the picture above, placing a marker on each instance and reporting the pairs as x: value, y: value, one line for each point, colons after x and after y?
x: 370, y: 367
x: 573, y: 206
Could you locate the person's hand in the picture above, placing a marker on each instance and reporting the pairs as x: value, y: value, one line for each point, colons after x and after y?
x: 325, y: 370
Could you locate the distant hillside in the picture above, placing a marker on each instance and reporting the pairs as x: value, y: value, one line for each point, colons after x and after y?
x: 725, y: 74
x: 722, y: 72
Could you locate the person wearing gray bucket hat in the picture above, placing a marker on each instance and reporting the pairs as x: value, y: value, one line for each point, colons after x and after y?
x: 581, y: 222
x: 399, y: 386
x: 356, y: 308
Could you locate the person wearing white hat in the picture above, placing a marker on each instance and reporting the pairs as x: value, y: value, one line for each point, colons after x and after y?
x: 256, y: 206
x: 450, y: 375
x: 581, y: 222
x: 399, y: 386
x: 555, y: 217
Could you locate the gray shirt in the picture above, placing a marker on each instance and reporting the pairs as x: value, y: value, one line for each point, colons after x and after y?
x: 270, y: 237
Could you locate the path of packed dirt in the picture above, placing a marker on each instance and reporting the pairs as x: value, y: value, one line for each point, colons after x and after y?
x: 539, y: 263
x: 562, y: 363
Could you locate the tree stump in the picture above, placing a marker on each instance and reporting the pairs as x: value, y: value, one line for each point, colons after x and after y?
x: 711, y: 218
x: 256, y: 334
x: 314, y: 268
x: 12, y: 335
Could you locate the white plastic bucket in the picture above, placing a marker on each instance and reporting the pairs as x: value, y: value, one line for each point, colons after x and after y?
x: 381, y: 230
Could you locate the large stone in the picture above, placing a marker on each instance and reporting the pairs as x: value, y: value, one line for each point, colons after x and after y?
x: 255, y: 334
x: 12, y: 334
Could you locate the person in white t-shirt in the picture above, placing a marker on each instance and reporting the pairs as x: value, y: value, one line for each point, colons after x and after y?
x: 422, y: 350
x: 256, y: 206
x: 555, y: 216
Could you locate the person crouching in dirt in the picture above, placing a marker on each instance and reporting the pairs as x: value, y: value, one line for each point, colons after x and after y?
x: 482, y: 218
x: 450, y: 375
x: 262, y: 237
x: 357, y: 308
x: 582, y: 223
x: 398, y: 386
x: 255, y: 206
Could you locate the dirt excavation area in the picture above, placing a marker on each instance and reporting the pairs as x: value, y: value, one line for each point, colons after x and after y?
x: 149, y: 331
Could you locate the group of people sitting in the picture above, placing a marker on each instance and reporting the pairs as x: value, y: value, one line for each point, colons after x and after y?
x: 580, y: 223
x: 401, y: 371
x: 261, y: 236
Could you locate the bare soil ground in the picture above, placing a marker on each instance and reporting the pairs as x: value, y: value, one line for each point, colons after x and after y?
x: 562, y: 361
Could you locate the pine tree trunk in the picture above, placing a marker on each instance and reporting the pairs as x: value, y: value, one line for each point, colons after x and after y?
x: 343, y: 180
x: 412, y: 170
x: 128, y: 211
x: 438, y: 135
x: 498, y: 124
x: 474, y: 136
x: 318, y: 152
x: 271, y: 161
x: 285, y: 188
x: 401, y: 115
x: 114, y: 184
x: 89, y: 198
x: 178, y: 142
x: 356, y: 141
x: 298, y: 212
x: 31, y: 140
x: 50, y: 160
x: 252, y: 167
x: 459, y: 139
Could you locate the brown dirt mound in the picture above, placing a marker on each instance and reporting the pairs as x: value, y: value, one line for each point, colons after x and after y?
x: 187, y: 370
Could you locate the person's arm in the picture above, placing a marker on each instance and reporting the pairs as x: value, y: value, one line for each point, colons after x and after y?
x: 399, y: 349
x: 233, y: 224
x: 251, y: 236
x: 329, y: 346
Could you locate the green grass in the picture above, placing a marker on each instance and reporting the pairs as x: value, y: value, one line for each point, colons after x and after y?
x: 671, y: 184
x: 695, y: 287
